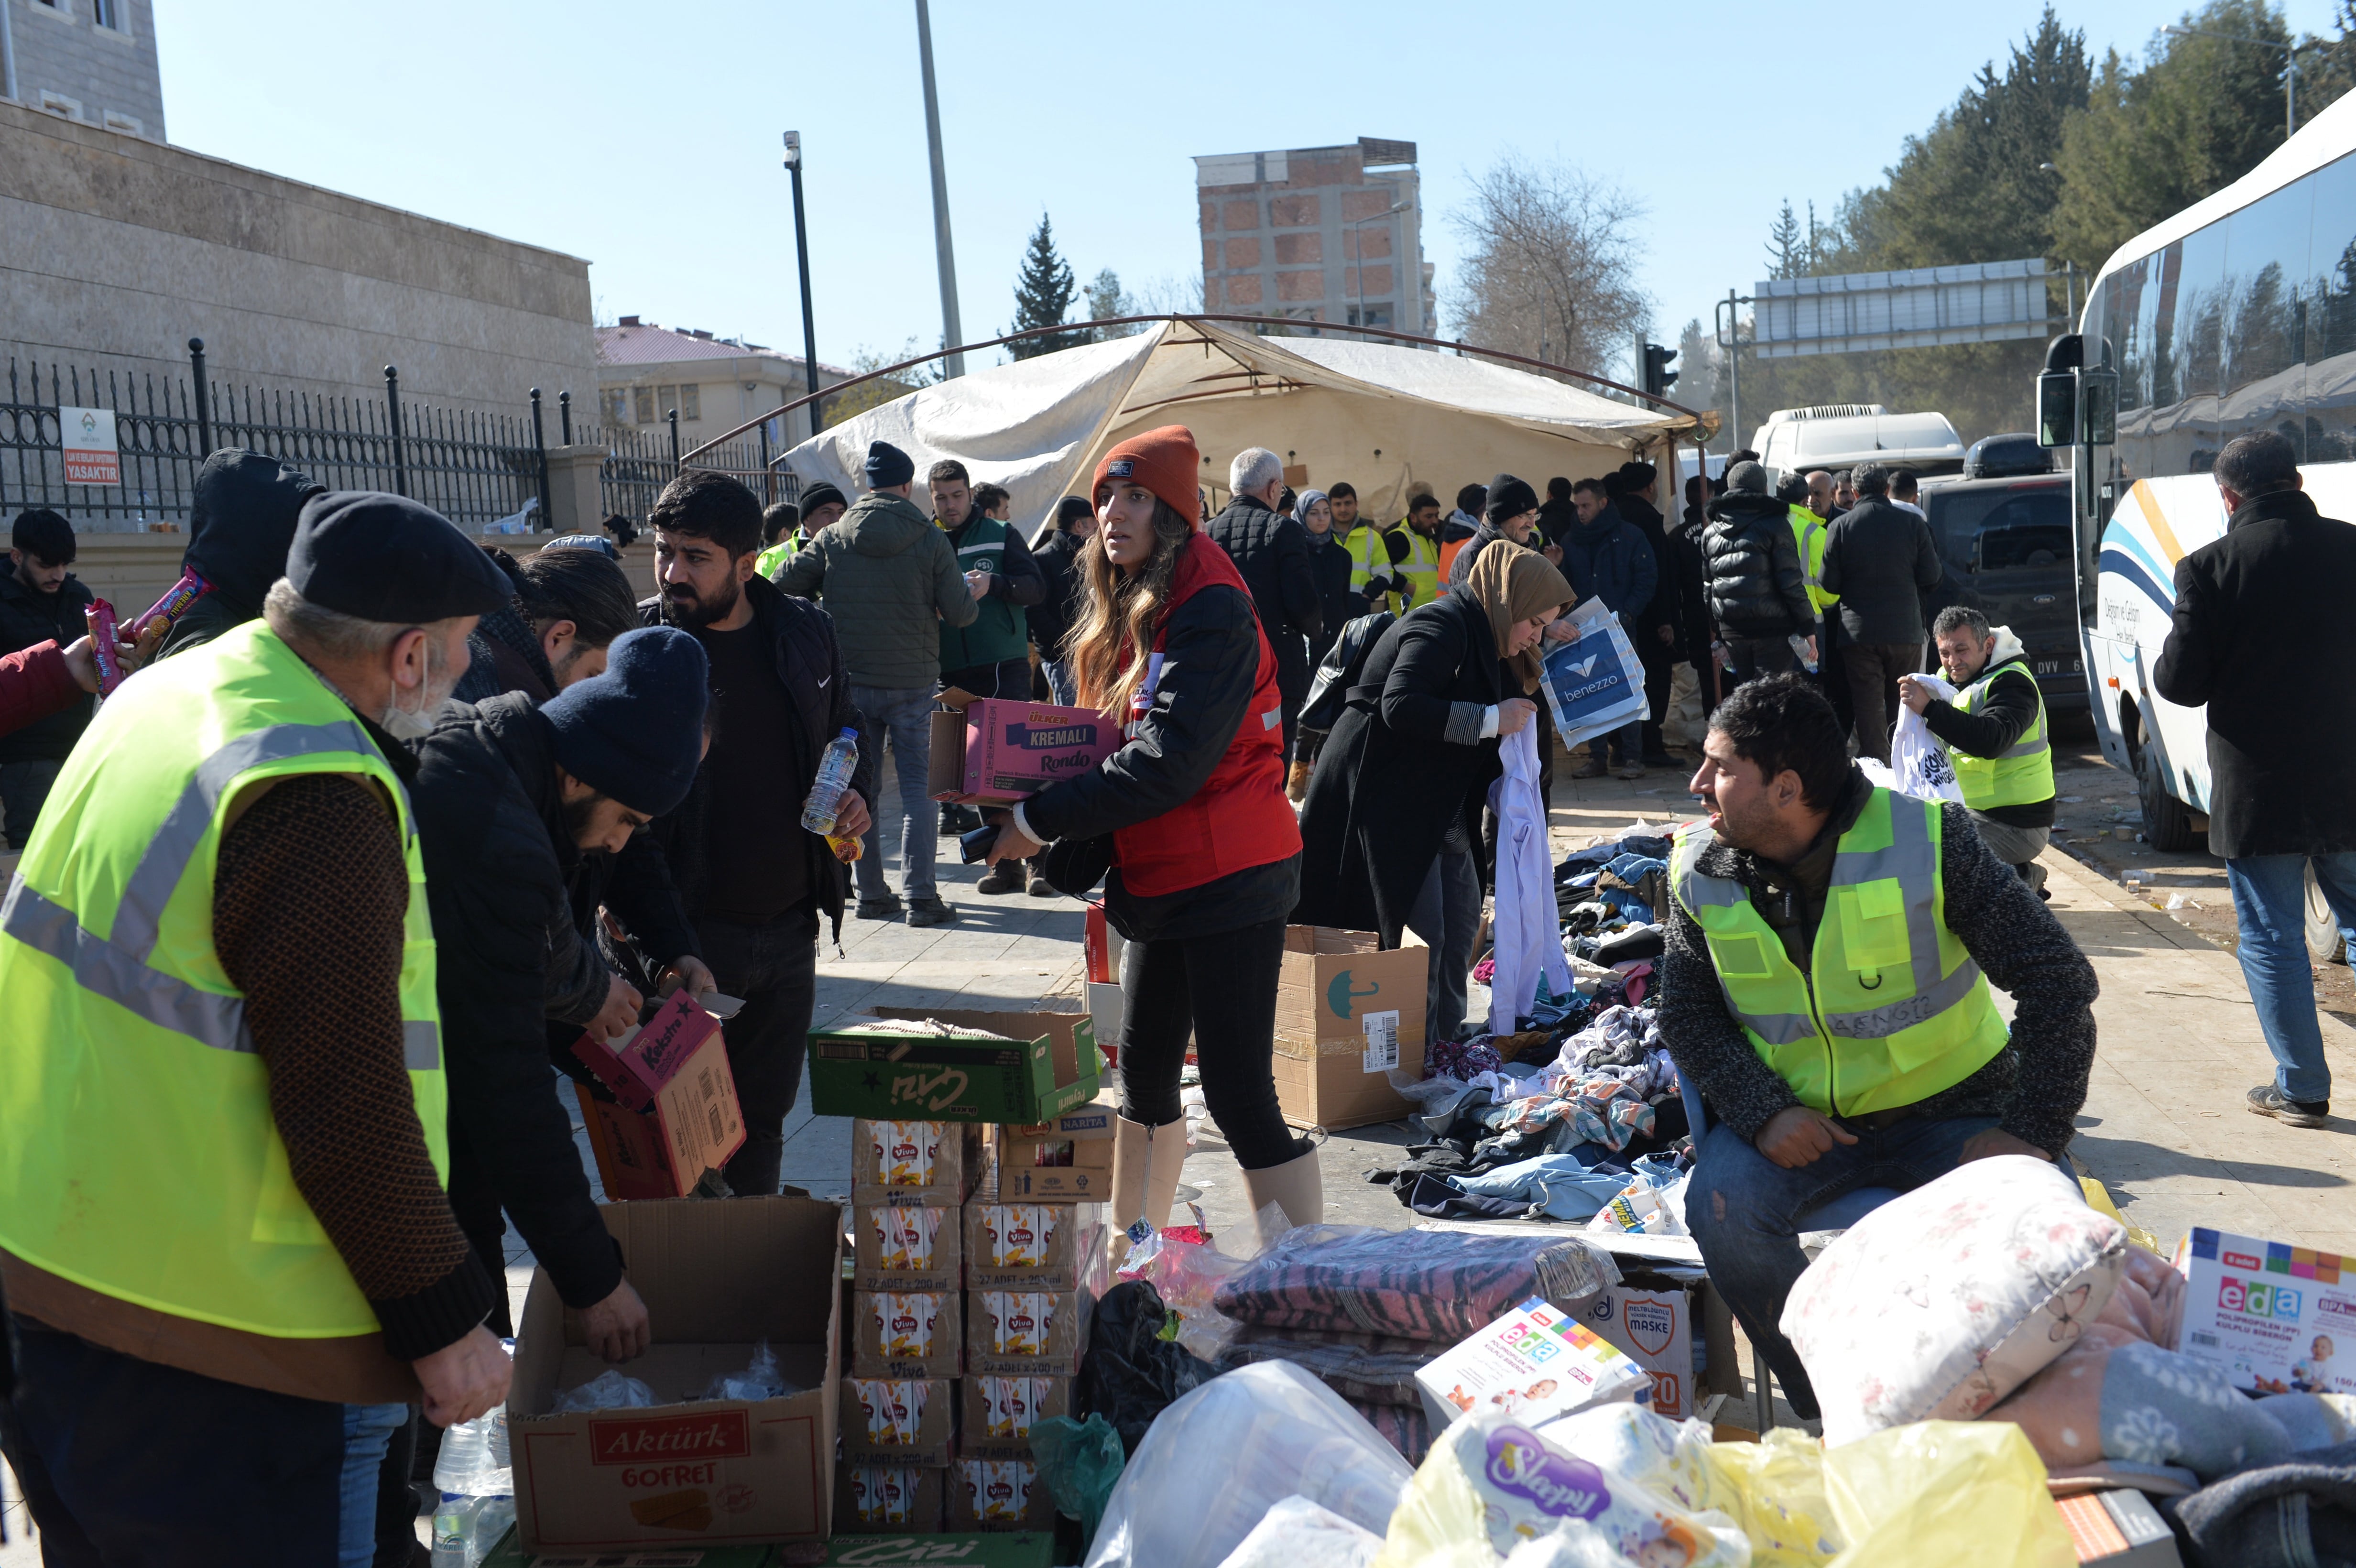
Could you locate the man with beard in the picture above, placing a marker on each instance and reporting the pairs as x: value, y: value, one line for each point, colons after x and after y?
x: 40, y: 601
x: 750, y: 879
x: 1825, y: 987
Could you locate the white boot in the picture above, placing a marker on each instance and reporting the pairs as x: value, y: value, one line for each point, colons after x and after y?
x: 1297, y: 1186
x: 1146, y: 1163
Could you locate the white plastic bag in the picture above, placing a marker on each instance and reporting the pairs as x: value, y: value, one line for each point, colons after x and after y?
x: 1919, y: 764
x: 1215, y: 1462
x: 1296, y: 1533
x: 609, y: 1390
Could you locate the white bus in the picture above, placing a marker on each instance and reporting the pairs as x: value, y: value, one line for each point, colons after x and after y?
x: 2239, y: 313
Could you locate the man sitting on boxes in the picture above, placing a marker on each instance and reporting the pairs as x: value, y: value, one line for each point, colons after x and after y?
x: 1830, y: 946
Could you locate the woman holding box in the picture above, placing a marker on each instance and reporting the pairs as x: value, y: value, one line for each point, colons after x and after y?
x: 1205, y: 856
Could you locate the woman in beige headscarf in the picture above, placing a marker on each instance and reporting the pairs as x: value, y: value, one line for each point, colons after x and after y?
x: 1393, y: 808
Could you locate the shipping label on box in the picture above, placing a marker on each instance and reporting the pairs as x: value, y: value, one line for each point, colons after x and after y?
x: 2279, y: 1318
x: 899, y: 1421
x: 905, y: 1334
x: 1532, y: 1364
x: 893, y: 1498
x: 1026, y: 1333
x: 1035, y: 1245
x: 1022, y: 1549
x: 1654, y: 1329
x: 1348, y: 1015
x: 996, y: 1412
x: 913, y: 1162
x: 906, y: 1247
x: 998, y: 1494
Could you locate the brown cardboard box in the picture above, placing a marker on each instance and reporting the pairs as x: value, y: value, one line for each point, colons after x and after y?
x: 906, y: 1334
x: 678, y: 1114
x: 995, y: 1414
x: 906, y: 1247
x: 1030, y: 1246
x: 1026, y: 1333
x: 899, y: 1421
x: 997, y: 752
x: 1064, y: 1159
x: 1347, y: 1014
x: 998, y: 1494
x: 716, y: 1278
x: 889, y: 1499
x: 912, y: 1162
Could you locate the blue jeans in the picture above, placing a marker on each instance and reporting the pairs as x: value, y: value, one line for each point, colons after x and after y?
x: 1061, y: 687
x: 907, y: 715
x: 1747, y: 1213
x: 2270, y: 904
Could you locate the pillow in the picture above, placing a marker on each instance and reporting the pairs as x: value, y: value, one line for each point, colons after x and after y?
x: 1943, y: 1301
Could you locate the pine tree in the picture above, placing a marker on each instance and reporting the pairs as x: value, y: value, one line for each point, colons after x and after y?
x: 1042, y: 297
x: 1787, y: 245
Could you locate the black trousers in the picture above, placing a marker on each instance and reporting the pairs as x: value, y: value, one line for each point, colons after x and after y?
x: 774, y: 966
x: 1660, y: 662
x: 1222, y: 989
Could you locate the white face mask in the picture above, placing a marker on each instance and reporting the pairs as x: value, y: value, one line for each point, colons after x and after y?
x: 433, y: 705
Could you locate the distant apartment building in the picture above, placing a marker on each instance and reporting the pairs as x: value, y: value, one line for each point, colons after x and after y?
x: 645, y: 371
x: 91, y: 60
x: 1326, y: 237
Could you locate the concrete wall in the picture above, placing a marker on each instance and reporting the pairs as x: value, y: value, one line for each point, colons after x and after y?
x: 63, y: 49
x: 114, y: 250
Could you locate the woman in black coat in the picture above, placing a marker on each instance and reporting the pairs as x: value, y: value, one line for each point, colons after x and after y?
x: 1393, y: 807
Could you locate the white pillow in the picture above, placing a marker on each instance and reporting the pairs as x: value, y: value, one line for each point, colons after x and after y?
x: 1940, y: 1303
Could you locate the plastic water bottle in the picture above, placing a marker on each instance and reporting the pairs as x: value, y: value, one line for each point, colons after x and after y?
x: 473, y: 1462
x: 452, y: 1521
x: 493, y: 1518
x: 1800, y: 650
x: 834, y: 770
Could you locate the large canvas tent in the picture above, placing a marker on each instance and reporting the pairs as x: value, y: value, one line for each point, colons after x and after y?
x: 1380, y: 415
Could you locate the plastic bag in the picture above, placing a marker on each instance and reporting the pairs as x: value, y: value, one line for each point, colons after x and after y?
x: 1919, y: 764
x: 762, y: 1379
x: 1774, y: 1489
x: 1134, y: 1368
x: 1937, y: 1494
x: 608, y: 1391
x: 1080, y: 1461
x: 1223, y: 1455
x: 1297, y: 1533
x: 1186, y: 1274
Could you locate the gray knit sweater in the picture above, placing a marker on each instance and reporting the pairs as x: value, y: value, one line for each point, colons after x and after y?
x: 2036, y: 1083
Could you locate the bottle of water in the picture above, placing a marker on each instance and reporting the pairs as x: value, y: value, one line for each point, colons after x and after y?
x: 493, y: 1519
x: 1800, y: 652
x: 834, y: 772
x: 453, y: 1519
x: 473, y: 1462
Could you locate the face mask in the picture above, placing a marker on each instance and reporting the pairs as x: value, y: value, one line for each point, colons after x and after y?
x: 403, y: 725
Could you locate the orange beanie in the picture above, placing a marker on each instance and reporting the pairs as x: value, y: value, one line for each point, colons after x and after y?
x: 1164, y: 461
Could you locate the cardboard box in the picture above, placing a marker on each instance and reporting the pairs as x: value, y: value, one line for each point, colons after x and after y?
x: 995, y: 1414
x: 1065, y: 1159
x: 1655, y: 1329
x: 899, y: 1421
x: 904, y: 1499
x: 998, y: 1494
x: 1347, y: 1015
x: 2118, y: 1530
x: 677, y: 1114
x: 906, y: 1334
x: 1026, y: 1333
x: 510, y: 1553
x: 1030, y: 1246
x: 1534, y: 1363
x: 992, y: 1067
x: 993, y: 751
x: 1025, y: 1549
x: 906, y: 1247
x: 914, y: 1162
x: 2281, y: 1320
x: 716, y: 1278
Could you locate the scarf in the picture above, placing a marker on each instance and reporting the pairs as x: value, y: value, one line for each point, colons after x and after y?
x: 1514, y: 585
x: 1300, y: 509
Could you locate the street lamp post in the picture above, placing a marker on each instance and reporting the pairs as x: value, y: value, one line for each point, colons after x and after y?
x: 2290, y: 69
x: 801, y: 249
x: 1360, y: 247
x: 952, y: 334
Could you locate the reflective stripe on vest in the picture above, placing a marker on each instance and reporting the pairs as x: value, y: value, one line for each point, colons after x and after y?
x: 138, y: 1153
x: 1422, y: 568
x: 2020, y: 774
x: 1892, y: 1008
x: 1808, y: 532
x: 1368, y: 557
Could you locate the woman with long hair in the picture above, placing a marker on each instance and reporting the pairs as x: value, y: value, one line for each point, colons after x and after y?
x: 1204, y: 852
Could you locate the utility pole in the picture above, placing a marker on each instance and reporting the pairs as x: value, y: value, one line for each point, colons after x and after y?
x: 952, y: 334
x: 801, y: 248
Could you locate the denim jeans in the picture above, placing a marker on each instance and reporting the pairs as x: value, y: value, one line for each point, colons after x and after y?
x: 905, y: 714
x: 2270, y: 905
x: 1747, y: 1213
x: 131, y: 1461
x: 774, y: 966
x: 1061, y: 687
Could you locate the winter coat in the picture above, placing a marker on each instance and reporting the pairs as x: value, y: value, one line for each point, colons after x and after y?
x: 1609, y: 559
x: 1059, y: 606
x: 1690, y: 564
x: 1880, y: 558
x: 1645, y: 626
x: 1405, y: 760
x: 1555, y: 519
x: 1000, y: 630
x: 491, y: 827
x: 504, y: 654
x: 1329, y: 688
x: 1755, y: 583
x: 2263, y: 635
x: 1329, y: 567
x: 241, y: 519
x: 889, y: 580
x: 1272, y: 554
x: 29, y: 618
x: 669, y: 864
x: 2011, y: 709
x: 33, y: 684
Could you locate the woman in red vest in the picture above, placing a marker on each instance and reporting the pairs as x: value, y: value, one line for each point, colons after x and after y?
x: 1206, y: 853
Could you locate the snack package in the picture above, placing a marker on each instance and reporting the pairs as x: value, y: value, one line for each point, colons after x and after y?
x: 174, y: 603
x: 98, y: 617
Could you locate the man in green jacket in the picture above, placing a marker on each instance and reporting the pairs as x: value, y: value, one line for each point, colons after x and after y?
x: 889, y: 581
x: 991, y: 658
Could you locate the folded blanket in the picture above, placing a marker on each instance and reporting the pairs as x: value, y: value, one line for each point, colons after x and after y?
x: 1418, y: 1285
x: 1359, y: 1374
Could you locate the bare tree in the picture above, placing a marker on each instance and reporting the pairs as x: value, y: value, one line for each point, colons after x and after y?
x: 1551, y: 269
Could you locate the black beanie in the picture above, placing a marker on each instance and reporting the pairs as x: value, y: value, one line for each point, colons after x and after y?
x: 1510, y: 497
x: 888, y: 465
x: 387, y: 558
x: 636, y: 732
x: 825, y: 494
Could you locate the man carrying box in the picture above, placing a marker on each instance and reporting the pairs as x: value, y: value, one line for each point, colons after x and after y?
x: 1830, y: 946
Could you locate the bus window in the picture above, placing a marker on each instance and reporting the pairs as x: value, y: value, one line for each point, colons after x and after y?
x: 2331, y: 315
x: 2264, y: 377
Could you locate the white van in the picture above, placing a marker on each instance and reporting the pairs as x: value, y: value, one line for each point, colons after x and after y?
x: 1842, y: 435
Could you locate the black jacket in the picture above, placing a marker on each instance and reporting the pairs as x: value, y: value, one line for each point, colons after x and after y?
x: 1755, y: 583
x: 1328, y: 568
x: 2011, y: 709
x: 1689, y: 566
x: 1272, y: 554
x: 27, y: 618
x: 667, y: 866
x: 1644, y: 625
x: 241, y: 519
x: 502, y: 655
x: 1880, y: 559
x: 1051, y: 617
x: 1556, y: 519
x: 1338, y: 671
x: 1404, y: 761
x: 491, y: 828
x: 2263, y: 635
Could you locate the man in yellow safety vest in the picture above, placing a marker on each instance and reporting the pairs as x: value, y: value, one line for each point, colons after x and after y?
x: 1995, y: 735
x: 1825, y: 988
x: 228, y: 1256
x: 1415, y: 542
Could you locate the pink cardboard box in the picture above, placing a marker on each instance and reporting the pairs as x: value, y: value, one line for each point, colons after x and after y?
x: 997, y: 752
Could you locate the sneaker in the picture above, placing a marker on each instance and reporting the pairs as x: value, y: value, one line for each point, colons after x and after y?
x: 888, y: 907
x: 1006, y: 877
x: 1594, y: 769
x: 1040, y: 887
x: 1632, y: 770
x: 931, y: 912
x: 2268, y: 1100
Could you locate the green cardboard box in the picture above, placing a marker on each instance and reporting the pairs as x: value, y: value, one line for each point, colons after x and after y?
x: 995, y: 1067
x: 1027, y: 1549
x: 510, y: 1553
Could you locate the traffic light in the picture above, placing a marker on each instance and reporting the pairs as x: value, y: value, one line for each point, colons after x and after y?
x: 1658, y: 377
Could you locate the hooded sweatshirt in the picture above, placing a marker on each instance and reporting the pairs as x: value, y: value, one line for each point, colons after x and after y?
x: 2010, y: 711
x: 241, y: 525
x: 889, y: 579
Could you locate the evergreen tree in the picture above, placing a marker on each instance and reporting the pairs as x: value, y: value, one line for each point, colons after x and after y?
x: 1787, y: 246
x: 1042, y: 297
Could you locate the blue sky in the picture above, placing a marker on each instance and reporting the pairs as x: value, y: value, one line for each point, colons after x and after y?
x: 646, y: 137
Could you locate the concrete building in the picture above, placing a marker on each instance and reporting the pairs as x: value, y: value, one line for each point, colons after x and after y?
x: 1317, y: 235
x: 645, y: 371
x: 89, y: 60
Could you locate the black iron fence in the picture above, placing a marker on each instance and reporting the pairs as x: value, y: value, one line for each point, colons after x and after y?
x: 641, y: 459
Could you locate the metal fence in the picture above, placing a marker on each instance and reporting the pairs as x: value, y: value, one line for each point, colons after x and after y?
x: 641, y: 459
